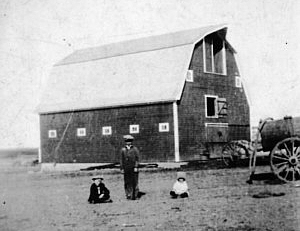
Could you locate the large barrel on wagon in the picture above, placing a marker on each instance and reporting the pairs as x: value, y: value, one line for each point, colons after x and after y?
x: 276, y: 130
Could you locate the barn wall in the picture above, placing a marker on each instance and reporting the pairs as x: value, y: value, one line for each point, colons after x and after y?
x: 95, y: 147
x: 195, y: 138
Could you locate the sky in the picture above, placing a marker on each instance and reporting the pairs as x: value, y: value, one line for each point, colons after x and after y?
x: 36, y: 34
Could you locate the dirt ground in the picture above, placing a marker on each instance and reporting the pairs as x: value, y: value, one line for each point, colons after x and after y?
x: 220, y: 199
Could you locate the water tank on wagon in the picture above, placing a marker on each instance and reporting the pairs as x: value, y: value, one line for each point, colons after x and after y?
x: 276, y: 130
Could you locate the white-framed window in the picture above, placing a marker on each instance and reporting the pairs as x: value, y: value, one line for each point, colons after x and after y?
x: 211, y: 106
x: 81, y: 132
x: 106, y: 130
x: 215, y: 107
x: 134, y: 128
x: 214, y: 54
x: 238, y: 81
x: 52, y: 134
x: 163, y: 127
x: 190, y: 76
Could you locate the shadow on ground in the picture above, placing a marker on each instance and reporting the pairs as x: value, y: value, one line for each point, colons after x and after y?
x: 219, y: 164
x: 267, y: 178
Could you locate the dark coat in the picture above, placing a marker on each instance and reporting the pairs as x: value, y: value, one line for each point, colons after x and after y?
x: 94, y: 193
x: 129, y: 161
x: 129, y: 158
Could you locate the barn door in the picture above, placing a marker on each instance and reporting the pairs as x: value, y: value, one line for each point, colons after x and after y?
x: 222, y: 107
x: 216, y: 132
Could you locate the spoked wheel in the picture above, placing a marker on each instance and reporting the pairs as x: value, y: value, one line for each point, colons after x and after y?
x: 232, y: 152
x: 285, y: 159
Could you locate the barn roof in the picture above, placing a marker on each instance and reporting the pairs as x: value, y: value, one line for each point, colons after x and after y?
x: 139, y: 71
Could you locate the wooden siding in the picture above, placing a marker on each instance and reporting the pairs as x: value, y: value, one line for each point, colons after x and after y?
x: 195, y: 138
x: 95, y: 147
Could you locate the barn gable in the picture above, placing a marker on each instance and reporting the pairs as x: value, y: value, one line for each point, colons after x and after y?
x: 147, y: 70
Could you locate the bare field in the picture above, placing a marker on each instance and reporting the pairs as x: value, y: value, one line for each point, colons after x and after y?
x: 220, y: 199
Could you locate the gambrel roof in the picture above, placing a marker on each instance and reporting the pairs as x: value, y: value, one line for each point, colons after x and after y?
x: 140, y: 71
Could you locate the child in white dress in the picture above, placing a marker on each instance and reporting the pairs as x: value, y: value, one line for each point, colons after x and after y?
x: 180, y: 187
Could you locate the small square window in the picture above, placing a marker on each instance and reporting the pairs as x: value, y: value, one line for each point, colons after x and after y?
x: 190, y: 76
x: 134, y: 128
x: 238, y: 82
x: 163, y: 127
x: 52, y: 134
x: 106, y: 130
x: 81, y: 132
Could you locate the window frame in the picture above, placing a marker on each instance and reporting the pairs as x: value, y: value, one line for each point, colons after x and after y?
x: 238, y: 82
x: 132, y: 126
x: 216, y: 105
x: 191, y: 74
x: 50, y: 132
x: 224, y: 61
x: 81, y: 132
x: 104, y: 129
x: 161, y: 125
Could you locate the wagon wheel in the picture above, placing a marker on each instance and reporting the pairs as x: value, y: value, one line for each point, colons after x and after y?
x: 285, y: 159
x: 232, y: 152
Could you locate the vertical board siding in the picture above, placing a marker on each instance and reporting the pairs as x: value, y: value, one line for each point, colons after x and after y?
x: 191, y: 109
x: 195, y: 139
x: 95, y: 147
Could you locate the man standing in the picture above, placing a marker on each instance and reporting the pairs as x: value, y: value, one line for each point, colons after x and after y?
x: 129, y: 166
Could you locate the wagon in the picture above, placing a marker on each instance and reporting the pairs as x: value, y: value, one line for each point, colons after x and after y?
x: 280, y: 139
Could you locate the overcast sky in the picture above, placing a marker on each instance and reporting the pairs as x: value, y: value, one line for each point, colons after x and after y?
x: 35, y: 34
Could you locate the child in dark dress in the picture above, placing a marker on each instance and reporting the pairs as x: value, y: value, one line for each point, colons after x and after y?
x: 98, y: 192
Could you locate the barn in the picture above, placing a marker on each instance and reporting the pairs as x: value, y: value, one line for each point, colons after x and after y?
x: 179, y: 94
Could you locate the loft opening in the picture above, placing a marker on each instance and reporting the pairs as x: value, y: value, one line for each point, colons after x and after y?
x: 214, y: 54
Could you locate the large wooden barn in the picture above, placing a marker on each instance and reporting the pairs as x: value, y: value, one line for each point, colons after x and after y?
x: 179, y: 94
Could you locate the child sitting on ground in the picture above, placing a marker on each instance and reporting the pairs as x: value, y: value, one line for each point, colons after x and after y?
x: 98, y: 192
x: 180, y: 187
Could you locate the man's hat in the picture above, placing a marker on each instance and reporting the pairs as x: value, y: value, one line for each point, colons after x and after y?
x: 181, y: 175
x: 97, y: 177
x: 128, y: 138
